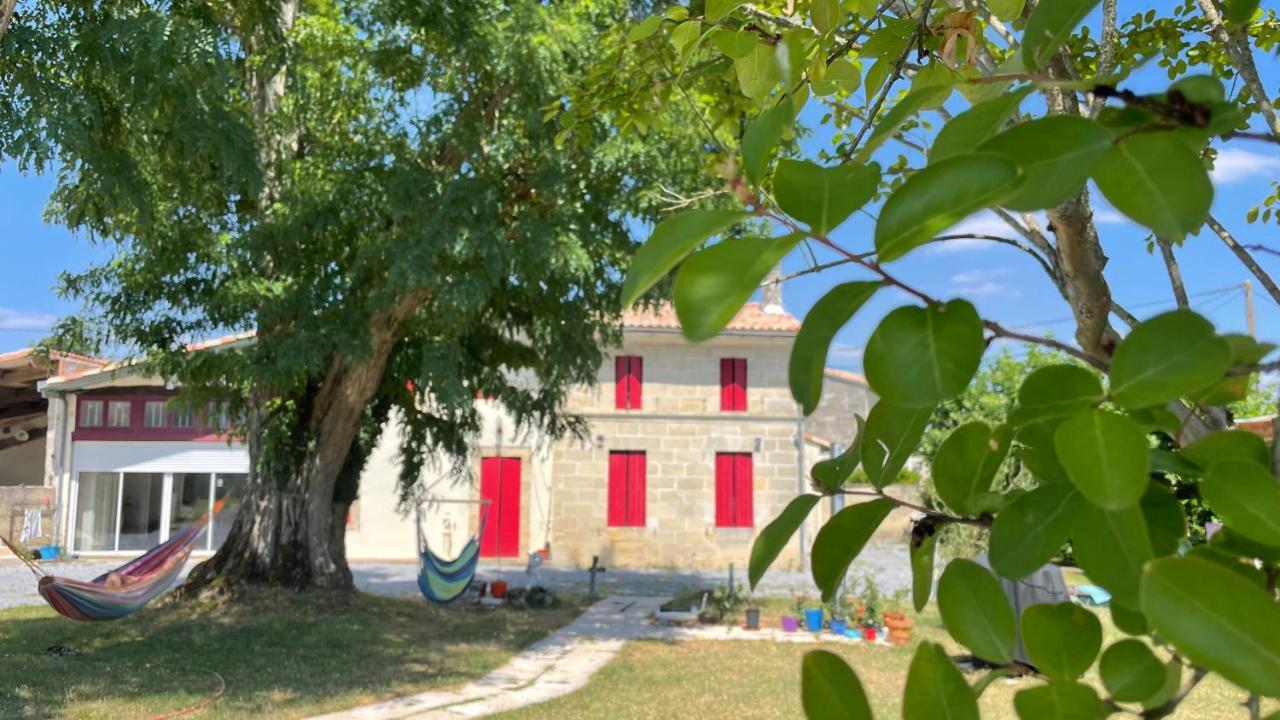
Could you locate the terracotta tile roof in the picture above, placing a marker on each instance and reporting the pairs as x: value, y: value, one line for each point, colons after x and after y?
x: 845, y: 375
x: 750, y: 319
x: 104, y: 367
x: 1263, y: 427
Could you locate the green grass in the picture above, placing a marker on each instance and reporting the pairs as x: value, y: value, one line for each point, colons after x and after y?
x: 759, y: 679
x: 282, y: 655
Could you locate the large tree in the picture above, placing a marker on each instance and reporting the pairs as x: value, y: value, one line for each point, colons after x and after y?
x: 927, y: 112
x: 373, y: 188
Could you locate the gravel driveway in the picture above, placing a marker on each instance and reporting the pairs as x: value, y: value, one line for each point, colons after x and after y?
x: 887, y: 562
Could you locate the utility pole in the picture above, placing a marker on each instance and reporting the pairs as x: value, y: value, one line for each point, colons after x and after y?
x: 1248, y: 309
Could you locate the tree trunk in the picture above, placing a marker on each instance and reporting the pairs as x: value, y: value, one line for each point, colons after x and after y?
x: 291, y: 529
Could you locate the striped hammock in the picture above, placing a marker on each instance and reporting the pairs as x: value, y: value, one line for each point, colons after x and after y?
x: 124, y: 590
x: 443, y: 581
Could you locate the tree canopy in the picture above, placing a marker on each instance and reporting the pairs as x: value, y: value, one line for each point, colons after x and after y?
x: 379, y: 191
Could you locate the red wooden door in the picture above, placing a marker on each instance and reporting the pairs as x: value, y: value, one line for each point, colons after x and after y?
x: 500, y: 485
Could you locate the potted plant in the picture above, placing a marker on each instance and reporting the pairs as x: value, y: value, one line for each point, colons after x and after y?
x: 812, y: 615
x: 753, y: 614
x: 837, y: 622
x: 791, y: 623
x: 897, y: 621
x: 870, y: 610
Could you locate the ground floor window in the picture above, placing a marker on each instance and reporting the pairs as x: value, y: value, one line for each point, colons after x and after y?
x: 734, y: 502
x: 128, y: 512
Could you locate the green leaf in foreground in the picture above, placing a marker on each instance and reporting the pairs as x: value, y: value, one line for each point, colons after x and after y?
x: 940, y: 196
x: 936, y: 689
x: 1247, y: 498
x: 891, y: 436
x: 1170, y: 355
x: 1056, y: 155
x: 922, y: 552
x: 966, y: 131
x: 920, y: 356
x: 829, y: 689
x: 966, y: 463
x: 1056, y: 391
x: 1158, y: 181
x: 761, y: 137
x: 1228, y: 445
x: 672, y: 239
x: 713, y: 285
x: 841, y: 539
x: 1216, y: 619
x: 1105, y: 456
x: 809, y: 352
x: 775, y: 536
x: 1130, y: 671
x: 975, y: 611
x: 832, y: 473
x: 1112, y: 547
x: 1062, y: 639
x: 1049, y: 27
x: 823, y: 197
x: 898, y: 115
x: 1031, y: 530
x: 1059, y: 701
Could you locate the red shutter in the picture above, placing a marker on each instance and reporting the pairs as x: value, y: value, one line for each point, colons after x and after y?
x: 740, y: 384
x: 724, y: 490
x: 726, y: 384
x: 636, y: 490
x: 620, y: 367
x: 636, y: 383
x: 744, y: 515
x: 617, y: 488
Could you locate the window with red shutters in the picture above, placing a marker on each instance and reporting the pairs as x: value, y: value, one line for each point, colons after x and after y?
x: 733, y: 384
x: 734, y: 505
x: 626, y: 488
x: 629, y: 379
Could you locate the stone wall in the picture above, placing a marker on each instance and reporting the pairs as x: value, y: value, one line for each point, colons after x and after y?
x: 841, y: 400
x: 15, y: 499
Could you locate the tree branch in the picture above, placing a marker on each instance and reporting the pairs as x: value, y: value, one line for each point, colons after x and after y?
x: 1044, y: 264
x: 6, y: 15
x: 1197, y: 674
x: 1245, y: 258
x: 1175, y: 273
x: 939, y: 518
x: 1106, y: 50
x: 1236, y: 43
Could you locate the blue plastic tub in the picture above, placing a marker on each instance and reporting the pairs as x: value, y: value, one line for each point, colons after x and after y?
x: 837, y: 626
x: 813, y: 620
x: 50, y: 552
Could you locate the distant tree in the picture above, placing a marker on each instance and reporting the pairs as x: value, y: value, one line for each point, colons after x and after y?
x: 380, y: 189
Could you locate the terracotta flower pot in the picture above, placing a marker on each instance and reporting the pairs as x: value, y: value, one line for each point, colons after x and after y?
x: 899, y: 627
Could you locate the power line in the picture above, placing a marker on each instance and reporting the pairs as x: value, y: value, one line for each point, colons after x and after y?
x: 1139, y: 306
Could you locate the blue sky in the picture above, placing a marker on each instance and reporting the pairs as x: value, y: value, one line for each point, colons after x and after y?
x: 1005, y: 284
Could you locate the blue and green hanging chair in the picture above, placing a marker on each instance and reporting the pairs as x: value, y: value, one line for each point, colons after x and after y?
x: 443, y: 581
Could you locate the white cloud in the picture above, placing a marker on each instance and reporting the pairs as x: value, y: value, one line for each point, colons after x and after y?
x: 973, y: 283
x: 983, y: 223
x: 1108, y: 216
x: 25, y: 320
x: 1235, y: 165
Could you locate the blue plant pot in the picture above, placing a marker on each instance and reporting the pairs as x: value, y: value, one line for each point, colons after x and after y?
x: 837, y: 626
x: 813, y: 620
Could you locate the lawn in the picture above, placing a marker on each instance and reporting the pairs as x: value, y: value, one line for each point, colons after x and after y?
x: 281, y: 655
x: 757, y: 679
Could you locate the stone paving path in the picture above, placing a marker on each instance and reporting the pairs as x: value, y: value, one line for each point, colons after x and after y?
x: 556, y: 665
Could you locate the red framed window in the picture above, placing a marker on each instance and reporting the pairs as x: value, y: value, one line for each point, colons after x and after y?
x: 626, y: 488
x: 629, y: 378
x: 734, y: 505
x: 733, y: 384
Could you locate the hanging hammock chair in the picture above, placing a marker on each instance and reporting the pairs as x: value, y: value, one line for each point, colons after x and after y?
x: 442, y: 581
x: 126, y: 589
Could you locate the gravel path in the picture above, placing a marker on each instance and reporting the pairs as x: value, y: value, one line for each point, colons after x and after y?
x: 887, y: 562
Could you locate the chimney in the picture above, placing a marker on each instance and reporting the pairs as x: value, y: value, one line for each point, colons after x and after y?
x: 771, y: 295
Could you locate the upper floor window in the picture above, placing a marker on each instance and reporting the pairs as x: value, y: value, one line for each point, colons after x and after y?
x: 733, y: 384
x: 629, y: 379
x: 154, y: 414
x: 118, y: 412
x: 91, y: 413
x: 219, y: 416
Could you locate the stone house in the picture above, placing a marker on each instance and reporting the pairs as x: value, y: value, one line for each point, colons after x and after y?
x: 691, y: 450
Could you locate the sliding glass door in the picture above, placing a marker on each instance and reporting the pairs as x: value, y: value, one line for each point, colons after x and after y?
x: 131, y: 512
